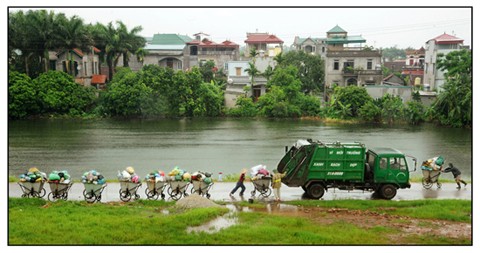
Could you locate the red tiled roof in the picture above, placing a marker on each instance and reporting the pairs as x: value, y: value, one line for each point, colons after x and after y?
x: 78, y: 52
x: 209, y: 43
x: 99, y: 79
x: 447, y: 39
x: 262, y: 37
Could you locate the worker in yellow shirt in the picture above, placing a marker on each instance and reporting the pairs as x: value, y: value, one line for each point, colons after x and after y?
x: 277, y: 183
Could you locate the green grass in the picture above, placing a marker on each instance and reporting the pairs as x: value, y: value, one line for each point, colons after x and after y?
x: 452, y: 209
x: 39, y: 222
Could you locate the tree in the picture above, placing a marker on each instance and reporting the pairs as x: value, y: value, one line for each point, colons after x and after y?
x: 22, y: 96
x: 310, y: 69
x: 130, y: 41
x: 392, y: 108
x: 72, y: 34
x: 252, y: 72
x: 453, y: 105
x: 352, y: 95
x: 58, y: 93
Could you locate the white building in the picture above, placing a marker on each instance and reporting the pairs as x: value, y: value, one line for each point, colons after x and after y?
x: 442, y: 44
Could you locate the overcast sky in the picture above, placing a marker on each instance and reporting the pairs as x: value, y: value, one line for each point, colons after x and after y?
x: 381, y: 27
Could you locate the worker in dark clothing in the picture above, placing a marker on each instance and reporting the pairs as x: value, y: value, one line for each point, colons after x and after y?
x: 456, y: 174
x: 239, y: 184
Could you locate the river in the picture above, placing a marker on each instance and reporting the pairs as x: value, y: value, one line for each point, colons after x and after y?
x: 211, y: 145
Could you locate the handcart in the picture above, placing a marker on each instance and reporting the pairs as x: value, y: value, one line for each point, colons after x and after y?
x: 177, y: 189
x: 201, y: 188
x: 30, y: 189
x: 129, y: 189
x: 430, y: 177
x: 155, y: 189
x: 262, y: 185
x: 93, y: 192
x: 58, y: 191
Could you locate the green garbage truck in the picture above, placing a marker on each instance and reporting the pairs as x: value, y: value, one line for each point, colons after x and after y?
x: 316, y: 167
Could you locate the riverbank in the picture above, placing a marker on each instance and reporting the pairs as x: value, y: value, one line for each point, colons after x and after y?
x: 348, y: 222
x: 220, y: 192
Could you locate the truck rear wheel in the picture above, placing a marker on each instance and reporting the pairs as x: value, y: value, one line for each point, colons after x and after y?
x: 315, y: 191
x: 388, y: 191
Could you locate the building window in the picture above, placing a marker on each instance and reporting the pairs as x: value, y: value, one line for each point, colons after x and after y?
x: 84, y: 68
x: 336, y: 65
x: 369, y: 64
x: 193, y: 50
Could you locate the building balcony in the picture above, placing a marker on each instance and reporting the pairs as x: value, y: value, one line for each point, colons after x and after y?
x: 356, y: 72
x: 353, y: 53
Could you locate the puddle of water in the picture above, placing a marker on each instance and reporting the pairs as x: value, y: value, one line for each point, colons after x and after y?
x: 215, y: 225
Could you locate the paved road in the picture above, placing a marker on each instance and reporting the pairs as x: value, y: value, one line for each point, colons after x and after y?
x: 220, y: 191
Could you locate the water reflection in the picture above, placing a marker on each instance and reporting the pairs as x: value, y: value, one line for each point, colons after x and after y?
x: 206, y: 144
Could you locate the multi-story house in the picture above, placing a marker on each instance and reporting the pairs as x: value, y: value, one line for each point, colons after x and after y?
x: 265, y: 43
x: 348, y: 63
x: 442, y: 44
x: 311, y: 45
x: 82, y: 65
x: 202, y: 49
x: 413, y: 69
x: 167, y: 50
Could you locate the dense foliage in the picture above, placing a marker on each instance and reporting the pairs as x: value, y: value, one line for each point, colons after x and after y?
x: 52, y: 92
x: 454, y: 102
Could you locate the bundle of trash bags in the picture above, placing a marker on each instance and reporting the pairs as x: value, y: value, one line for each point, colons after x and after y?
x: 128, y: 175
x: 59, y: 177
x: 33, y: 175
x: 155, y: 176
x: 202, y: 176
x: 93, y: 177
x: 259, y: 171
x: 179, y: 175
x: 434, y: 163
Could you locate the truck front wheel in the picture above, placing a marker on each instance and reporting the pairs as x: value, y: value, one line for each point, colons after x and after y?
x: 315, y: 191
x: 388, y: 191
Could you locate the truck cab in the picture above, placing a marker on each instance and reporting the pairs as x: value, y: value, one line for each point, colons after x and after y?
x: 387, y: 166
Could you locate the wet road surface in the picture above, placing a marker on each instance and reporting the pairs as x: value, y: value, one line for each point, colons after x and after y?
x: 220, y: 191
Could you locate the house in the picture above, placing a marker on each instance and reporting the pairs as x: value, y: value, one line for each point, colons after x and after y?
x: 238, y: 78
x: 442, y: 44
x: 80, y: 64
x: 167, y: 50
x: 311, y: 45
x: 264, y: 43
x: 414, y: 64
x: 393, y: 80
x: 348, y: 63
x: 395, y: 66
x: 202, y: 49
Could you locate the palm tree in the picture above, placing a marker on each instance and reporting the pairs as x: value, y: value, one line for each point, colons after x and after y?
x: 268, y: 72
x: 44, y: 24
x: 72, y: 34
x: 252, y: 72
x: 130, y: 41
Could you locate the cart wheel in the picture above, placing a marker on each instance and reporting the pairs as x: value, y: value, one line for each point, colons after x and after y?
x: 427, y: 184
x: 150, y: 194
x: 266, y: 192
x: 52, y: 197
x: 42, y: 193
x: 99, y: 198
x: 84, y: 193
x: 90, y: 198
x: 439, y: 185
x: 125, y: 196
x: 175, y: 194
x: 65, y: 196
x: 137, y: 196
x: 208, y: 195
x: 24, y: 195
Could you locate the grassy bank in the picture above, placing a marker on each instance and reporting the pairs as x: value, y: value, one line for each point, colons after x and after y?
x: 38, y: 222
